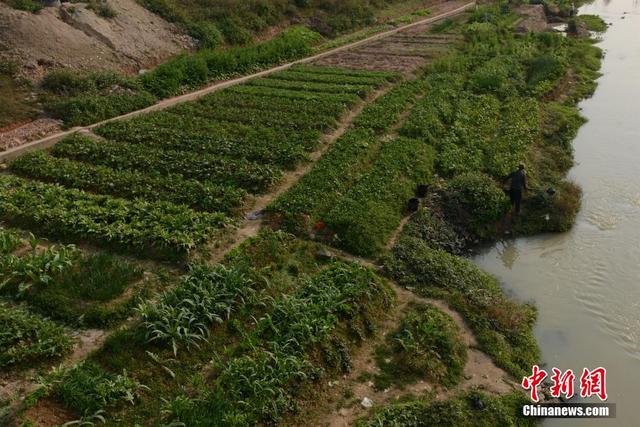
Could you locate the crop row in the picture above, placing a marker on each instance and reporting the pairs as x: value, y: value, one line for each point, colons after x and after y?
x: 205, y: 168
x: 224, y: 99
x: 360, y: 90
x: 316, y: 69
x: 348, y: 159
x: 345, y: 98
x: 320, y: 189
x: 27, y: 339
x: 129, y: 184
x: 174, y: 132
x: 366, y: 216
x: 156, y: 229
x: 306, y: 76
x: 261, y: 117
x: 382, y: 114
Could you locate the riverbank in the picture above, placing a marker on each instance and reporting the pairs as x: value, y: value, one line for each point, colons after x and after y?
x: 584, y: 282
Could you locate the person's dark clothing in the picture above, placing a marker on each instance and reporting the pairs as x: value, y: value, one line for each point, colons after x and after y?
x: 518, y: 183
x: 518, y: 180
x: 516, y: 197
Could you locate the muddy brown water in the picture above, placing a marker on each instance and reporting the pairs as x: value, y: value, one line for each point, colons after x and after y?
x: 586, y: 283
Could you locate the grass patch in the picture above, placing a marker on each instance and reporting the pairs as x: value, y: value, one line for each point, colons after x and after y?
x: 593, y: 23
x: 461, y: 410
x: 504, y: 329
x: 427, y: 344
x: 15, y: 107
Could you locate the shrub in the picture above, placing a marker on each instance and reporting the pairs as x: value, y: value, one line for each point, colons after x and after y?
x: 434, y: 231
x: 475, y: 202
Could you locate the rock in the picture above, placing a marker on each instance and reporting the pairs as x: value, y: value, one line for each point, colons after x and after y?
x: 366, y: 403
x: 370, y: 383
x: 252, y: 216
x: 325, y: 254
x: 343, y: 412
x: 477, y: 403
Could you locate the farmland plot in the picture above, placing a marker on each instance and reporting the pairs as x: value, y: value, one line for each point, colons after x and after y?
x: 164, y: 184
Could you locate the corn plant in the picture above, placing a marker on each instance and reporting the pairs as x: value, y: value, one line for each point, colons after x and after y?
x: 204, y: 297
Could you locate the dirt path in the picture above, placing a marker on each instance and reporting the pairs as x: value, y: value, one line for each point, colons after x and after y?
x: 338, y: 411
x: 447, y: 9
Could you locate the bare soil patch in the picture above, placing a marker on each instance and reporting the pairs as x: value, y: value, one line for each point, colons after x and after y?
x: 402, y: 52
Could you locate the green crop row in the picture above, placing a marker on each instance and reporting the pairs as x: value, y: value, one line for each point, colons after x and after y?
x: 320, y: 189
x: 251, y: 116
x: 382, y: 114
x: 315, y: 69
x: 360, y: 90
x: 205, y: 168
x: 345, y: 98
x: 224, y: 99
x: 128, y: 184
x: 184, y: 315
x: 156, y: 229
x: 27, y: 339
x: 306, y: 76
x: 365, y: 217
x: 173, y: 132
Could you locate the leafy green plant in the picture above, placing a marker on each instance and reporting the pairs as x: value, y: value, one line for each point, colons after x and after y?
x: 156, y: 229
x: 27, y: 340
x: 204, y: 297
x: 88, y: 388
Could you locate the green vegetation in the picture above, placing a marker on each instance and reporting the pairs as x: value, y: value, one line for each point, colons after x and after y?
x: 593, y: 23
x: 504, y: 329
x: 84, y: 99
x: 15, y: 107
x: 371, y: 210
x: 164, y: 184
x: 152, y: 228
x: 64, y: 284
x: 427, y: 344
x: 26, y: 5
x: 462, y: 410
x: 87, y: 388
x: 222, y: 20
x: 27, y: 340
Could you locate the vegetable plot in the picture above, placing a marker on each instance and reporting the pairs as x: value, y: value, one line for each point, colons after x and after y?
x: 162, y: 184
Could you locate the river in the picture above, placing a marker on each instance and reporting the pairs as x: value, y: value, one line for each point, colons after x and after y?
x: 586, y: 283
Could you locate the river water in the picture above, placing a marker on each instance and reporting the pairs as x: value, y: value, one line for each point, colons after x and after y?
x: 586, y: 283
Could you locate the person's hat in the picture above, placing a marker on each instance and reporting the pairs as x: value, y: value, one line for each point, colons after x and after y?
x: 521, y: 165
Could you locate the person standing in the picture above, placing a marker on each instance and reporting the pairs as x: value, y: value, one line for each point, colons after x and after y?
x: 518, y: 184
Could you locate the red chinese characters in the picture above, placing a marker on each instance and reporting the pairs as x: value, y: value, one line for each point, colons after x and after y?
x: 593, y: 383
x: 531, y: 383
x: 562, y: 383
